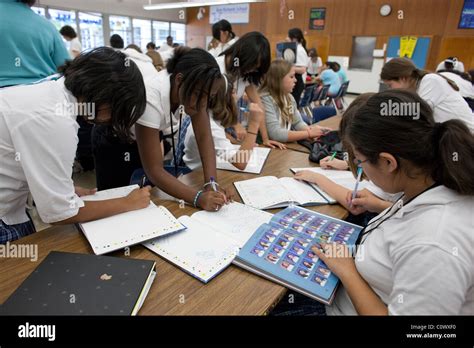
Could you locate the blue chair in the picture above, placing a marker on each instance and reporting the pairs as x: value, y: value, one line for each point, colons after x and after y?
x: 305, y: 103
x: 340, y: 96
x: 322, y: 112
x: 320, y: 97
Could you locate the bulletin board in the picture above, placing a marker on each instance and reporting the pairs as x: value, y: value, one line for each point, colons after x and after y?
x: 420, y: 54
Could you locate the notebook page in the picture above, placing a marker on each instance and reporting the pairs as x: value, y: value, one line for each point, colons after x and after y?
x: 133, y: 227
x: 200, y: 250
x: 235, y: 220
x: 254, y: 165
x: 301, y: 192
x: 262, y: 192
x: 341, y: 177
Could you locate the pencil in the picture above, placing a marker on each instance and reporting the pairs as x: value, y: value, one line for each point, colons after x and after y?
x: 354, y: 193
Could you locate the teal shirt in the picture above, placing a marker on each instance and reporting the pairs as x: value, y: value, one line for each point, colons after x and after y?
x: 30, y: 47
x: 342, y: 75
x: 329, y: 77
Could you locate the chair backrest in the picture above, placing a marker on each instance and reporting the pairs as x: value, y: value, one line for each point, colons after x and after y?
x: 323, y: 94
x: 343, y: 90
x: 307, y: 96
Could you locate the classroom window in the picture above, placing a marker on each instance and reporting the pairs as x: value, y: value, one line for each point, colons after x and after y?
x: 141, y: 32
x: 160, y: 31
x: 91, y: 26
x: 362, y: 56
x: 39, y: 10
x: 178, y: 32
x: 61, y: 18
x: 121, y: 26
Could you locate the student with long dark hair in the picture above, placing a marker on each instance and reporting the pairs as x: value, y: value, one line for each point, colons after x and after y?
x: 39, y: 140
x: 296, y: 35
x: 222, y: 32
x: 191, y: 80
x: 417, y: 253
x: 441, y: 93
x: 246, y: 62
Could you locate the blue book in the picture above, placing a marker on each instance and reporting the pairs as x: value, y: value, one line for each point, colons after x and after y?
x: 281, y: 251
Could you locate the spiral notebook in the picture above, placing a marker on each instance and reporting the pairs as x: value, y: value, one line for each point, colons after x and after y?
x: 281, y: 251
x: 126, y: 229
x: 211, y: 239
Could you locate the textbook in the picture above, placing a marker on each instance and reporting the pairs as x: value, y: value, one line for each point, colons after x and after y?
x: 255, y: 164
x: 126, y: 229
x: 340, y: 177
x: 82, y: 284
x: 269, y: 192
x: 281, y: 251
x: 211, y: 239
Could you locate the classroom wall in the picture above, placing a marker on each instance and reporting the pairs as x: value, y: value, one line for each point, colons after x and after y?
x: 437, y: 19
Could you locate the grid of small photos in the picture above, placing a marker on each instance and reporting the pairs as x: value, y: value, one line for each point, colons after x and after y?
x: 288, y: 242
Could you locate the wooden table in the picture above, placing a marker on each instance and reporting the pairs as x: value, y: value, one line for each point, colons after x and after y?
x: 331, y: 122
x: 233, y: 292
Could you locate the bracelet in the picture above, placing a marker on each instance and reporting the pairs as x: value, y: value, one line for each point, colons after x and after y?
x: 209, y: 183
x: 196, y: 198
x: 309, y: 133
x: 252, y: 133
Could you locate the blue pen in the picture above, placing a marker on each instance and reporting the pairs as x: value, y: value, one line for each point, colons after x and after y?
x: 354, y: 193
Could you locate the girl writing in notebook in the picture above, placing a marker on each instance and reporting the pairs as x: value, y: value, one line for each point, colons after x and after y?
x: 246, y: 62
x: 283, y: 120
x: 224, y: 114
x: 371, y: 199
x: 39, y: 140
x: 191, y: 79
x: 417, y: 253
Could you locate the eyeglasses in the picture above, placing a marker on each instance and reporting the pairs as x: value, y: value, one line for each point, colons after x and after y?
x: 358, y: 162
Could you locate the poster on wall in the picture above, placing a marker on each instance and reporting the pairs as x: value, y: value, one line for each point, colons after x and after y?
x: 235, y: 14
x: 317, y: 18
x: 407, y: 46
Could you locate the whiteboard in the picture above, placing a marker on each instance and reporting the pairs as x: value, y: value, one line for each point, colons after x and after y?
x: 235, y: 14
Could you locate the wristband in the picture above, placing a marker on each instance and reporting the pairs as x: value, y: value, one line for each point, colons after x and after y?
x: 252, y: 133
x: 209, y: 183
x: 196, y: 198
x: 309, y: 133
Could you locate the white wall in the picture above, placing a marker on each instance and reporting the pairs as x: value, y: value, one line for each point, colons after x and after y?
x: 120, y: 7
x: 361, y: 81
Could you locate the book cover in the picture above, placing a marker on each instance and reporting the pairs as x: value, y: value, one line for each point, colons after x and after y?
x: 281, y: 251
x: 82, y: 284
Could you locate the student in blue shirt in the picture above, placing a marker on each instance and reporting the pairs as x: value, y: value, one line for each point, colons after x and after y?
x: 331, y: 78
x: 31, y: 47
x: 340, y: 71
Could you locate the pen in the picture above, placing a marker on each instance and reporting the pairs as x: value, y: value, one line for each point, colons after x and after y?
x: 333, y: 155
x: 354, y: 193
x: 142, y: 182
x: 244, y: 109
x: 213, y: 184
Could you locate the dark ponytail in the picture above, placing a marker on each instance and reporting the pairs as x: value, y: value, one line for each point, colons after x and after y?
x: 297, y: 33
x: 222, y: 25
x: 397, y: 68
x: 441, y: 150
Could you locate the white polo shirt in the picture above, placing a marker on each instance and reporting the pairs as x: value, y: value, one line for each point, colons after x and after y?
x: 38, y: 141
x: 225, y: 150
x: 421, y: 260
x: 240, y: 85
x: 447, y: 103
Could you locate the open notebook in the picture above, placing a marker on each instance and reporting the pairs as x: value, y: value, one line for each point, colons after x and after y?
x: 270, y: 192
x: 255, y: 164
x: 340, y: 177
x: 281, y: 251
x: 211, y: 239
x: 126, y: 229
